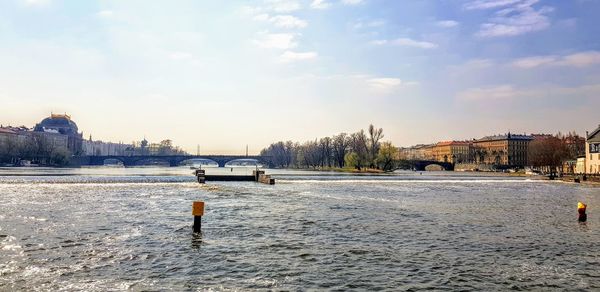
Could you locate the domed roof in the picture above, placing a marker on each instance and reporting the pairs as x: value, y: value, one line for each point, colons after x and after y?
x: 57, y: 123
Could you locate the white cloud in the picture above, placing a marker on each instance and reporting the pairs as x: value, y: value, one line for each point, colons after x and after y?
x: 36, y: 2
x: 488, y: 4
x: 413, y: 43
x: 379, y: 42
x: 447, y: 23
x: 351, y: 2
x: 489, y: 93
x: 531, y: 62
x: 509, y: 92
x: 289, y: 56
x: 373, y: 23
x: 283, y: 21
x: 406, y: 42
x: 105, y: 13
x: 520, y: 17
x: 384, y: 82
x: 283, y: 6
x: 581, y: 59
x: 361, y: 85
x: 270, y: 6
x: 276, y: 41
x: 320, y: 4
x: 387, y: 84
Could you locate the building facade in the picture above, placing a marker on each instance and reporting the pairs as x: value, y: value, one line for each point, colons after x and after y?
x: 417, y: 152
x: 592, y: 152
x: 502, y: 150
x: 52, y: 140
x: 452, y: 152
x: 7, y: 136
x: 99, y: 148
x: 58, y: 127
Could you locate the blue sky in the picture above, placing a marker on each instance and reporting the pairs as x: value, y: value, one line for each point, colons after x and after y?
x: 224, y: 74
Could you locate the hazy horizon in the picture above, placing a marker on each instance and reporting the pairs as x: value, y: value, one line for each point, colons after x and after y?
x: 229, y: 74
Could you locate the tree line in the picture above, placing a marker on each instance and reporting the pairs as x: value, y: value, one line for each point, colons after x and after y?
x: 35, y: 148
x: 359, y: 150
x: 165, y: 147
x: 548, y: 154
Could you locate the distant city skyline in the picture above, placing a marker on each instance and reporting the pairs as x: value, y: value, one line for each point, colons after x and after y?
x: 229, y: 74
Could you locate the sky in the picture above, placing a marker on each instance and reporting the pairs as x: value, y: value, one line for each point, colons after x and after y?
x: 226, y: 74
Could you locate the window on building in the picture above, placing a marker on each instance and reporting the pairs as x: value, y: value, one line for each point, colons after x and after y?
x: 594, y: 148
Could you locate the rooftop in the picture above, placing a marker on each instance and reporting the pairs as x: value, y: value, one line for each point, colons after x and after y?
x: 593, y: 134
x: 59, y: 116
x: 58, y: 123
x: 446, y: 143
x: 508, y: 136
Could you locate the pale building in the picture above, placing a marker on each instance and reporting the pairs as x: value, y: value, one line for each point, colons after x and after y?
x: 99, y: 148
x: 53, y: 140
x: 504, y: 150
x: 592, y: 152
x: 452, y: 151
x: 10, y: 136
x: 580, y: 167
x: 417, y: 152
x: 7, y: 136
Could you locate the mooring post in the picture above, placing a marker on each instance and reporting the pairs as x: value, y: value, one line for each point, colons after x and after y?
x: 582, y: 217
x: 198, y: 211
x: 201, y: 175
x: 257, y: 174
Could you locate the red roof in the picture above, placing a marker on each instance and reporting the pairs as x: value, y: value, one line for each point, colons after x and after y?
x: 448, y: 143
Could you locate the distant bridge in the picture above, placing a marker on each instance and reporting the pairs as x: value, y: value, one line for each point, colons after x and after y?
x: 173, y: 160
x: 421, y: 164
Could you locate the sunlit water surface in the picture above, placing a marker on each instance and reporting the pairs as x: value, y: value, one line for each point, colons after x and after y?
x: 115, y: 228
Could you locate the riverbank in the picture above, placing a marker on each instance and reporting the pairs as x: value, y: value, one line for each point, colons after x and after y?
x: 343, y: 170
x: 582, y: 179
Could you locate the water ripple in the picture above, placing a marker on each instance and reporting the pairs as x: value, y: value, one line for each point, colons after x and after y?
x: 131, y: 232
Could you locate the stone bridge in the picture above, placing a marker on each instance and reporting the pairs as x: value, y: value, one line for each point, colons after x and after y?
x: 421, y: 164
x: 173, y: 160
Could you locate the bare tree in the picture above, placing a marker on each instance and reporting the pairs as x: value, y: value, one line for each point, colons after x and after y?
x: 326, y: 151
x: 387, y: 155
x: 375, y: 135
x: 340, y: 148
x: 547, y: 154
x: 358, y: 144
x: 360, y: 149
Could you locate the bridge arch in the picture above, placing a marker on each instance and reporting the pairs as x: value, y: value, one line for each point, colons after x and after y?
x: 112, y: 161
x: 152, y: 161
x: 204, y: 162
x: 170, y: 160
x: 434, y: 167
x: 244, y: 162
x: 422, y: 165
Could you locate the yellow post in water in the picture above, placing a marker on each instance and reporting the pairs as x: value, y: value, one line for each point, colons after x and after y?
x: 582, y: 217
x: 198, y: 212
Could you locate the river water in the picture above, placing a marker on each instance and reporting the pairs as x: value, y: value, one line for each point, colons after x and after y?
x: 99, y: 229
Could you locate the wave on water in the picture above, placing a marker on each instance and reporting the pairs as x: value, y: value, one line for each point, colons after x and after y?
x: 343, y: 181
x: 95, y: 179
